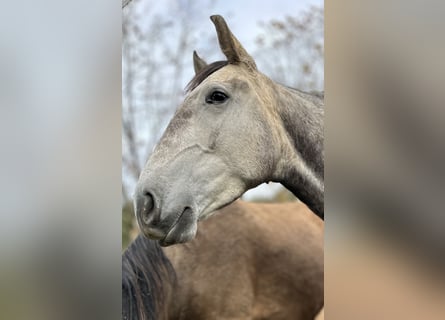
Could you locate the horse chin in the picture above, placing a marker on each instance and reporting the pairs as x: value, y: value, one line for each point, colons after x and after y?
x: 182, y: 231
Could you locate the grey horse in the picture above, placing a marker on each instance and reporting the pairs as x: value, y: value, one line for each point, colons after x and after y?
x: 235, y: 129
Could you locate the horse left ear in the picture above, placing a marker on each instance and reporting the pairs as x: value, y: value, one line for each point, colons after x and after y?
x: 230, y: 46
x: 198, y: 63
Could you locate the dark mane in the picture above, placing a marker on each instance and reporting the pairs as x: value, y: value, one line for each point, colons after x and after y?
x: 204, y: 73
x: 147, y: 277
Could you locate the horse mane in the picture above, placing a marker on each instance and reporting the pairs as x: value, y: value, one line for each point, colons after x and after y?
x: 319, y: 94
x: 147, y: 276
x: 204, y: 73
x: 313, y: 95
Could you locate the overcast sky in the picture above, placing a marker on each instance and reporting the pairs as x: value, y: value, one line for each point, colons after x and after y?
x: 242, y: 16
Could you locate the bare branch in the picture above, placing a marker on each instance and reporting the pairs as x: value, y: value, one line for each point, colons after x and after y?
x: 125, y: 3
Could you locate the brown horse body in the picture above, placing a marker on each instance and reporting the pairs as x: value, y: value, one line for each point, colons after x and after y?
x: 251, y: 261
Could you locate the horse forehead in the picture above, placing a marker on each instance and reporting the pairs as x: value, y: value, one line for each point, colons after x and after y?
x: 234, y: 75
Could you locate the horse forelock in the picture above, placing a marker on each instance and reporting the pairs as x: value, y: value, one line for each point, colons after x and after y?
x: 204, y: 73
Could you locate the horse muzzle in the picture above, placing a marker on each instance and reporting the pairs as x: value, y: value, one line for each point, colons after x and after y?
x: 176, y: 224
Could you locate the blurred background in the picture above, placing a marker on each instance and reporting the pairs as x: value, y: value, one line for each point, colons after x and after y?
x: 286, y: 39
x: 62, y: 71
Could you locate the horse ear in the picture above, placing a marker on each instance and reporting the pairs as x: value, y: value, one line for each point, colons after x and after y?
x: 198, y: 63
x: 230, y: 46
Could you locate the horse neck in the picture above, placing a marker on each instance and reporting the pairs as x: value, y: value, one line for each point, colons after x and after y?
x: 303, y: 168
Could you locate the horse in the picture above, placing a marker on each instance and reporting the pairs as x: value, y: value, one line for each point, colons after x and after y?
x: 235, y: 129
x: 249, y: 261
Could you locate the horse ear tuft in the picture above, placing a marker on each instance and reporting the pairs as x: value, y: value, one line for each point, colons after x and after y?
x: 230, y: 46
x: 198, y: 63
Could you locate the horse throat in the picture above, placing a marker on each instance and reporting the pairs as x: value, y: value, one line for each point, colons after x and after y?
x: 302, y: 118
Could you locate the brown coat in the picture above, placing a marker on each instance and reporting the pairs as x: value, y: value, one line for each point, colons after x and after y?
x: 251, y: 261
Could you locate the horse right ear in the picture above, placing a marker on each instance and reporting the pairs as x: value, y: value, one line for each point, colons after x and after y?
x: 230, y: 46
x: 198, y: 63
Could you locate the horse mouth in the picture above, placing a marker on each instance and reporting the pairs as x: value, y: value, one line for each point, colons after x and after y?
x: 154, y: 234
x: 182, y: 230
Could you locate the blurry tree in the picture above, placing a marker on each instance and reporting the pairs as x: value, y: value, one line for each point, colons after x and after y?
x: 291, y: 50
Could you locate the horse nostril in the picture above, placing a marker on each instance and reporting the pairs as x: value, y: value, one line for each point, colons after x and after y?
x: 149, y: 202
x: 145, y: 206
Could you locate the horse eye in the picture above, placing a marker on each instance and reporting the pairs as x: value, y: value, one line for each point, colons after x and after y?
x: 216, y: 97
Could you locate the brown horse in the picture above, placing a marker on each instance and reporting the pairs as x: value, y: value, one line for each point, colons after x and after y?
x: 249, y: 261
x: 235, y: 129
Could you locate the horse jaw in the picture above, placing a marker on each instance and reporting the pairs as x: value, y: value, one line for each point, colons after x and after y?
x: 231, y: 190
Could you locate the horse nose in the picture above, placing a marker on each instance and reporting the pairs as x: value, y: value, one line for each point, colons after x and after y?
x: 146, y: 208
